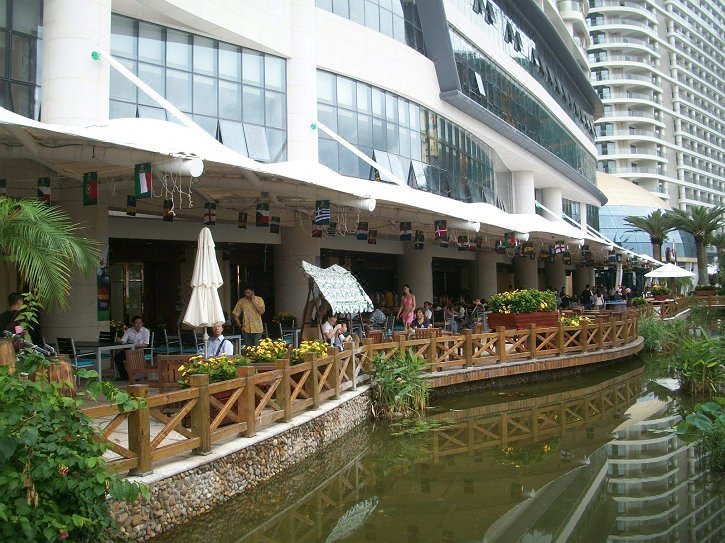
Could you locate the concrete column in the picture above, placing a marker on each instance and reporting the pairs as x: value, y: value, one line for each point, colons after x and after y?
x: 290, y: 283
x: 75, y: 88
x: 415, y: 268
x: 526, y: 273
x: 487, y: 276
x: 551, y: 198
x: 581, y: 277
x: 555, y: 274
x: 302, y: 83
x: 524, y: 196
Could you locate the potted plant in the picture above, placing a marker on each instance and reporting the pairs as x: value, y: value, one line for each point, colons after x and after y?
x: 286, y: 320
x: 636, y: 302
x: 518, y: 309
x: 705, y: 290
x: 267, y: 352
x: 660, y: 292
x: 317, y: 346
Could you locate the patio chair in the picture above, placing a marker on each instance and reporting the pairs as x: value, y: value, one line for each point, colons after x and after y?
x: 172, y: 344
x: 287, y: 337
x: 66, y: 346
x: 376, y: 336
x: 137, y: 369
x: 424, y: 333
x: 148, y: 352
x: 106, y: 337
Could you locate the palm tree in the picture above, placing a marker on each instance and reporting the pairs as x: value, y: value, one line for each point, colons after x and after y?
x: 656, y: 224
x: 702, y: 223
x: 45, y: 248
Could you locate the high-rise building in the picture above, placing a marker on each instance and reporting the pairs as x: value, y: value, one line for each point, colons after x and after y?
x: 657, y: 65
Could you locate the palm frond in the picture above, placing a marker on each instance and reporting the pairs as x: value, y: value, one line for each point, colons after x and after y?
x: 657, y: 224
x: 699, y: 221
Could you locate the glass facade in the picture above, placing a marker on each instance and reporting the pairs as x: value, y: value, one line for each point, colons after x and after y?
x: 487, y: 84
x: 614, y: 227
x: 21, y: 32
x: 397, y: 19
x: 512, y: 36
x: 238, y: 95
x: 414, y: 143
x: 572, y: 209
x: 593, y: 216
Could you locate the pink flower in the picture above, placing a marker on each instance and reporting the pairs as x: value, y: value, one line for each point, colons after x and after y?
x: 64, y: 535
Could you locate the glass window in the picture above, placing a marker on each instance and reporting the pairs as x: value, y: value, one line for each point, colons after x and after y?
x: 256, y: 142
x: 230, y: 101
x: 3, y: 13
x: 2, y: 52
x: 274, y: 73
x: 146, y: 112
x: 27, y: 16
x: 151, y: 44
x: 209, y: 124
x: 232, y: 134
x: 347, y: 125
x: 205, y: 95
x: 252, y: 67
x: 357, y: 11
x: 372, y: 19
x: 345, y: 92
x: 386, y: 22
x: 253, y: 104
x: 121, y: 110
x: 378, y: 98
x: 178, y: 50
x: 277, y: 143
x: 22, y: 58
x: 205, y: 56
x: 365, y: 130
x: 178, y: 89
x: 364, y: 98
x: 154, y: 77
x: 230, y: 62
x: 328, y: 153
x: 123, y: 37
x: 328, y: 117
x: 275, y: 109
x: 326, y: 87
x: 339, y: 7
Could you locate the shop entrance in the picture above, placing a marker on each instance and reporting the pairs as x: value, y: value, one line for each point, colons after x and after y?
x: 451, y: 278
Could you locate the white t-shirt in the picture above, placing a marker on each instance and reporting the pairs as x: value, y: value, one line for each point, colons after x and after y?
x: 326, y: 329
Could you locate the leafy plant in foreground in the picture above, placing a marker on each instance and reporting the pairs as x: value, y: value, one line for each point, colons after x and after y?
x: 699, y: 363
x: 400, y: 389
x: 707, y: 423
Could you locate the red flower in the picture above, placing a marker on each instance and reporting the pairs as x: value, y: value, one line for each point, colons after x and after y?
x: 64, y: 535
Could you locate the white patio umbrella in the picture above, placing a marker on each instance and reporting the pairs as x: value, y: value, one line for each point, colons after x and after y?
x: 204, y: 307
x: 669, y: 270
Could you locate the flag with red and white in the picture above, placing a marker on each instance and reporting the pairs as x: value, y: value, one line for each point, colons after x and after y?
x: 143, y: 180
x: 44, y: 189
x: 209, y: 214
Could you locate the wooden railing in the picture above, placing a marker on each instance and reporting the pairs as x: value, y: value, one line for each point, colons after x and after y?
x: 668, y: 309
x: 204, y: 413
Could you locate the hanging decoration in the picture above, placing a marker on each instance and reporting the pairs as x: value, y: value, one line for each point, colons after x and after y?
x: 143, y: 180
x: 406, y: 231
x: 242, y: 220
x: 419, y: 240
x: 362, y: 231
x: 332, y: 229
x: 444, y: 243
x: 274, y: 225
x: 131, y: 206
x: 510, y: 240
x: 209, y: 214
x: 44, y: 189
x: 544, y: 253
x: 566, y: 256
x: 169, y: 211
x: 441, y: 230
x: 463, y: 243
x: 322, y: 212
x: 262, y: 215
x: 316, y: 229
x: 472, y: 246
x: 559, y: 247
x: 527, y: 248
x: 500, y: 247
x: 90, y: 188
x: 373, y: 237
x: 612, y: 256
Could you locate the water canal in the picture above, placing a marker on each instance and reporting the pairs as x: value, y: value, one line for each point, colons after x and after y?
x: 581, y: 459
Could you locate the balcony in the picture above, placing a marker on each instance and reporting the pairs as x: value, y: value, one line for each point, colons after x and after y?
x: 630, y: 132
x: 633, y: 96
x: 623, y: 76
x: 609, y: 21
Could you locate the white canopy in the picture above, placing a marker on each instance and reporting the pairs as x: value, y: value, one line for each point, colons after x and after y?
x: 669, y: 270
x: 204, y: 307
x: 340, y: 288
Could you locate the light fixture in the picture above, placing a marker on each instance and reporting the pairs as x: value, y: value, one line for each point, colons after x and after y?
x: 193, y: 167
x: 522, y: 236
x: 471, y: 226
x: 364, y: 204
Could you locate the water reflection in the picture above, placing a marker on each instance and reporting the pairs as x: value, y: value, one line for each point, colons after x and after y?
x: 558, y: 462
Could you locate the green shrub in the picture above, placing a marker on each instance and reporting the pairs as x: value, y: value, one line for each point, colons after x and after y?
x: 654, y: 332
x: 523, y: 301
x: 707, y: 423
x: 660, y: 290
x: 705, y: 287
x: 698, y: 362
x: 55, y: 483
x: 400, y: 388
x: 638, y: 301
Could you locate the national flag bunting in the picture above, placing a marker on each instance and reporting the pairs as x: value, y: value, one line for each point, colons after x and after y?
x: 479, y: 242
x: 373, y: 237
x: 322, y: 212
x: 242, y: 220
x: 209, y: 214
x: 612, y: 256
x: 419, y: 240
x: 362, y: 231
x: 274, y: 225
x: 443, y: 243
x: 44, y: 189
x: 262, y: 214
x: 441, y: 230
x: 316, y: 229
x: 406, y: 231
x: 510, y: 240
x: 169, y: 211
x: 90, y: 188
x: 559, y: 247
x: 131, y: 206
x: 472, y: 246
x: 500, y: 248
x: 463, y: 243
x: 527, y: 248
x: 332, y: 229
x: 143, y: 180
x: 3, y: 188
x: 566, y: 256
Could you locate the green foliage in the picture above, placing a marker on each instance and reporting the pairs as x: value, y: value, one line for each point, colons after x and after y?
x: 656, y: 224
x: 654, y: 332
x: 54, y: 481
x: 526, y: 456
x: 27, y: 316
x: 707, y: 423
x: 523, y: 301
x: 705, y: 287
x: 412, y: 427
x: 636, y: 302
x: 218, y: 368
x: 400, y: 388
x: 659, y: 290
x: 44, y: 246
x: 698, y: 362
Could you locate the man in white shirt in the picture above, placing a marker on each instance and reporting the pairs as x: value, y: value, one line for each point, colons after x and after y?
x: 218, y: 345
x: 139, y: 336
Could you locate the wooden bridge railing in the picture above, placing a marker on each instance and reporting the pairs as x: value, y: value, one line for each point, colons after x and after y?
x: 195, y: 418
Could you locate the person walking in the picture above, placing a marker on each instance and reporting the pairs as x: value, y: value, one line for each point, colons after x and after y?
x: 250, y: 309
x: 407, y: 307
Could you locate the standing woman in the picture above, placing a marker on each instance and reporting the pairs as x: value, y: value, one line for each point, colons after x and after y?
x: 407, y: 307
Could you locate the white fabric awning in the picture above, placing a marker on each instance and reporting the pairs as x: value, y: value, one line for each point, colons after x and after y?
x: 340, y: 288
x: 669, y: 270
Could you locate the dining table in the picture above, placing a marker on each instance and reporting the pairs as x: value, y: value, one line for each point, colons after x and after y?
x: 100, y: 348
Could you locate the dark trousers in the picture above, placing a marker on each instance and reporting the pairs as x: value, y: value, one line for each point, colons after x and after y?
x: 119, y: 360
x: 251, y: 339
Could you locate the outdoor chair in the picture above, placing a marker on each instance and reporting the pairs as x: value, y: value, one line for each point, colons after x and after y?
x: 424, y: 333
x: 287, y: 337
x: 148, y: 352
x: 106, y: 337
x: 172, y: 344
x: 168, y: 368
x: 137, y: 369
x: 66, y: 346
x: 375, y: 336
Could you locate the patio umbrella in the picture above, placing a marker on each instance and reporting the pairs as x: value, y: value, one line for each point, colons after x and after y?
x: 669, y: 270
x: 204, y: 307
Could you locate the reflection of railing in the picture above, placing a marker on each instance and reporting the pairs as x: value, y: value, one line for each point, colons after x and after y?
x: 533, y: 420
x: 193, y: 419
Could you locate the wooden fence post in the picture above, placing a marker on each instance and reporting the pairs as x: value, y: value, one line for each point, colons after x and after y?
x: 200, y: 418
x: 560, y: 339
x: 432, y: 353
x: 532, y: 340
x: 139, y: 431
x: 468, y: 348
x: 250, y: 396
x: 242, y: 409
x: 335, y: 354
x: 351, y: 365
x: 584, y: 335
x: 314, y: 381
x: 283, y: 390
x: 600, y: 333
x: 501, y: 347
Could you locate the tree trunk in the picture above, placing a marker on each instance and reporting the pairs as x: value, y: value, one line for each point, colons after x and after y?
x: 701, y: 262
x: 657, y: 251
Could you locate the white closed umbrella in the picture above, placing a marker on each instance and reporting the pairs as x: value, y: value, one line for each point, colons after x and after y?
x: 669, y: 270
x: 204, y: 307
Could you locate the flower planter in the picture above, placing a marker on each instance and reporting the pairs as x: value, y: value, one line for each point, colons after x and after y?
x: 704, y: 293
x: 521, y: 321
x: 660, y: 297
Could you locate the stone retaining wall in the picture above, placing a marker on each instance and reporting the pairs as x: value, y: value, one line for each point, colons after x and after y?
x: 195, y: 491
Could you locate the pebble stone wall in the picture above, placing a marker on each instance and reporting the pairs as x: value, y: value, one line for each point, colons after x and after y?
x: 179, y: 498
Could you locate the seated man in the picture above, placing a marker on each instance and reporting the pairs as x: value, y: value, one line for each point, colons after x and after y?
x: 477, y: 312
x: 218, y: 345
x: 428, y: 311
x: 139, y: 336
x: 331, y: 330
x: 342, y: 337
